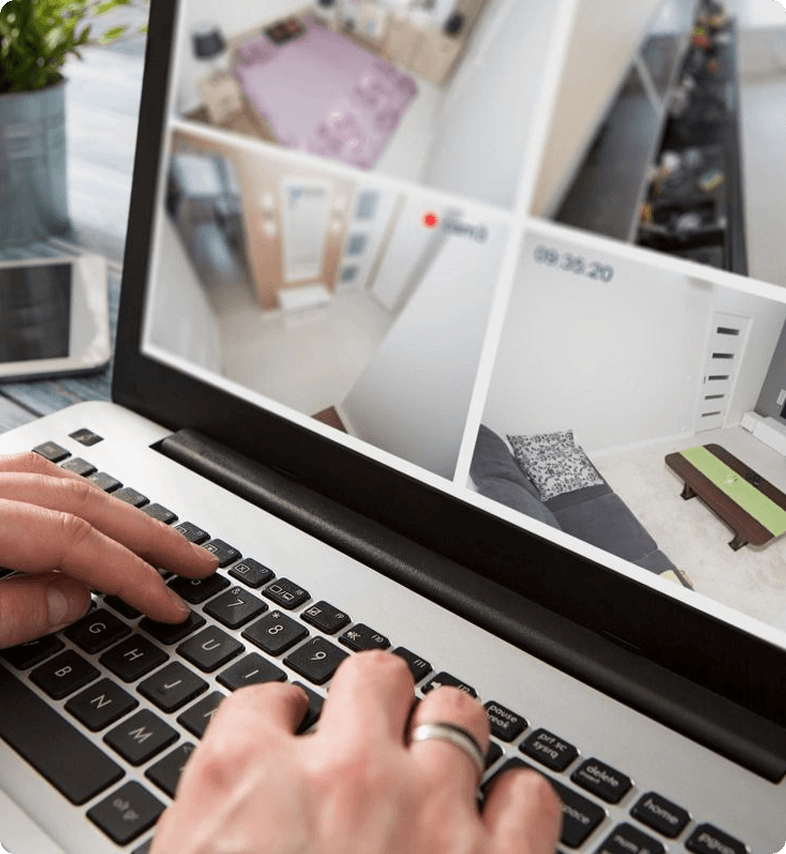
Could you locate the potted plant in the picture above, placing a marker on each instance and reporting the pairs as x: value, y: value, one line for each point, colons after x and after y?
x: 36, y: 38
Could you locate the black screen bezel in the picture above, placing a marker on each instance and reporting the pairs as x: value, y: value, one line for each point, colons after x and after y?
x: 692, y: 643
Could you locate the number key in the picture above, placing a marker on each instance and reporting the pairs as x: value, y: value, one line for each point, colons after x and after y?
x: 317, y: 660
x: 235, y: 607
x: 275, y: 633
x: 196, y: 590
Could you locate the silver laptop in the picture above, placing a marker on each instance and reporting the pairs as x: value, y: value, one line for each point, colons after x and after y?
x: 408, y: 417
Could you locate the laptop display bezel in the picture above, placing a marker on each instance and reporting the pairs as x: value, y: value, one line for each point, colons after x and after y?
x: 661, y: 628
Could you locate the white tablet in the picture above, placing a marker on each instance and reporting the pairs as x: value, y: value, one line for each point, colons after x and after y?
x: 54, y: 317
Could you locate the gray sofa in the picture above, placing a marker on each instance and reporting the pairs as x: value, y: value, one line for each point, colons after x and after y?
x: 595, y: 514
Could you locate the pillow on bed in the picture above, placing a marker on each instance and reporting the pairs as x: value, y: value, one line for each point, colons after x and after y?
x: 554, y: 463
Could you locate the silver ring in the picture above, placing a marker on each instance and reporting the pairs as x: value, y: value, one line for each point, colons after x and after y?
x: 454, y: 735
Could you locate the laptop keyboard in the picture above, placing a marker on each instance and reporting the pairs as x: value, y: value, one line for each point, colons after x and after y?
x: 150, y: 689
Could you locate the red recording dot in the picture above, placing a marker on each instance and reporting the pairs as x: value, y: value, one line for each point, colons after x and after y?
x: 430, y: 220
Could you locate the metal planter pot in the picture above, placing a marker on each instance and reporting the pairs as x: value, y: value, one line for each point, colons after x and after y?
x: 33, y: 194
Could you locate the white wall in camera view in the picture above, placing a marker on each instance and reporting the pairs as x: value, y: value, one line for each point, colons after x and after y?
x: 484, y: 125
x: 412, y: 398
x: 604, y: 36
x: 621, y: 363
x: 182, y: 319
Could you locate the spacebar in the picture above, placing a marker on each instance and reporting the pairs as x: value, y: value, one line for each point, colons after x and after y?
x: 56, y: 749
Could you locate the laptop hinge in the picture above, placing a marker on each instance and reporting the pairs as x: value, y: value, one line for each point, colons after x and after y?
x: 698, y: 713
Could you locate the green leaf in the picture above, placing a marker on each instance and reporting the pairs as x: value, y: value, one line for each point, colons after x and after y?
x: 111, y: 34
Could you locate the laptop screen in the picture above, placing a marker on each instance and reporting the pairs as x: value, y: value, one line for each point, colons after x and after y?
x: 343, y: 236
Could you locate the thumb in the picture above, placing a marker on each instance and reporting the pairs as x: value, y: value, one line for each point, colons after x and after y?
x: 32, y: 606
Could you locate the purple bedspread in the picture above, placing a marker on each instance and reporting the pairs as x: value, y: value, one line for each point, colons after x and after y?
x: 324, y: 94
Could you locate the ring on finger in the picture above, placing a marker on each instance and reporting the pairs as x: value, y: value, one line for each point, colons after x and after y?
x: 455, y: 735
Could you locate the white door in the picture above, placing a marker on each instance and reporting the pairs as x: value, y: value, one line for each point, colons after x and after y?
x: 726, y: 344
x: 305, y: 212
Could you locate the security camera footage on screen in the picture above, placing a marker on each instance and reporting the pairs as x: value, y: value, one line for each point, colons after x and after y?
x: 558, y: 379
x: 668, y: 130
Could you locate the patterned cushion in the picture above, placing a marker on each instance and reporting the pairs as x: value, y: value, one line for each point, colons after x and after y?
x: 554, y: 463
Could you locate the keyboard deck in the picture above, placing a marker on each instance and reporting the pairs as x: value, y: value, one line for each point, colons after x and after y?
x: 149, y: 691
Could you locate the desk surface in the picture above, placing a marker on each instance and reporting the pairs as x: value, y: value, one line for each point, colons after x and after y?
x: 21, y: 402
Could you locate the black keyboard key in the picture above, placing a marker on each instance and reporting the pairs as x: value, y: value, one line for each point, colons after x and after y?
x: 196, y: 590
x: 170, y: 633
x: 626, y: 839
x: 158, y: 511
x: 275, y: 633
x: 443, y: 678
x: 144, y: 848
x: 140, y: 737
x: 196, y: 718
x: 86, y: 437
x: 64, y: 674
x: 315, y: 703
x: 579, y: 815
x: 104, y: 481
x: 418, y: 667
x: 251, y: 572
x: 127, y: 813
x: 493, y: 754
x: 193, y: 533
x: 53, y: 746
x: 101, y: 704
x: 29, y: 654
x: 317, y: 660
x: 602, y: 780
x: 172, y: 687
x: 96, y: 631
x: 210, y: 649
x: 133, y: 657
x: 360, y: 637
x: 505, y: 725
x: 286, y: 593
x: 252, y: 669
x: 708, y: 839
x: 660, y: 814
x: 51, y: 451
x: 235, y: 607
x: 225, y: 553
x: 549, y: 749
x: 166, y: 772
x: 131, y: 496
x: 78, y: 466
x: 325, y: 617
x: 123, y: 608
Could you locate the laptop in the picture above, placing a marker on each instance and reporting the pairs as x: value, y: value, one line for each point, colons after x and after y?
x: 311, y: 375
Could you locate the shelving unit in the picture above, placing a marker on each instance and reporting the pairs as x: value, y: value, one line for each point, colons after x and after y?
x: 664, y: 168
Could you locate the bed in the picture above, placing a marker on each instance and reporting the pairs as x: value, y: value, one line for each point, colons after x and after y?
x: 324, y: 94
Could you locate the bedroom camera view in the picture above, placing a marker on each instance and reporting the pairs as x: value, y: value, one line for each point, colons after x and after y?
x: 676, y: 143
x: 407, y: 88
x: 642, y: 411
x: 315, y: 290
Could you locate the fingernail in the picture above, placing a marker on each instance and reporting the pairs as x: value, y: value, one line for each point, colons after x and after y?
x: 63, y: 609
x: 204, y: 555
x: 182, y: 605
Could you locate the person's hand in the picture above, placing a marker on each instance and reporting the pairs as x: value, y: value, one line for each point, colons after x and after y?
x: 356, y: 785
x: 68, y: 536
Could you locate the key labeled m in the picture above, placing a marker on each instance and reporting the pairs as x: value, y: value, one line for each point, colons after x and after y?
x: 140, y: 734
